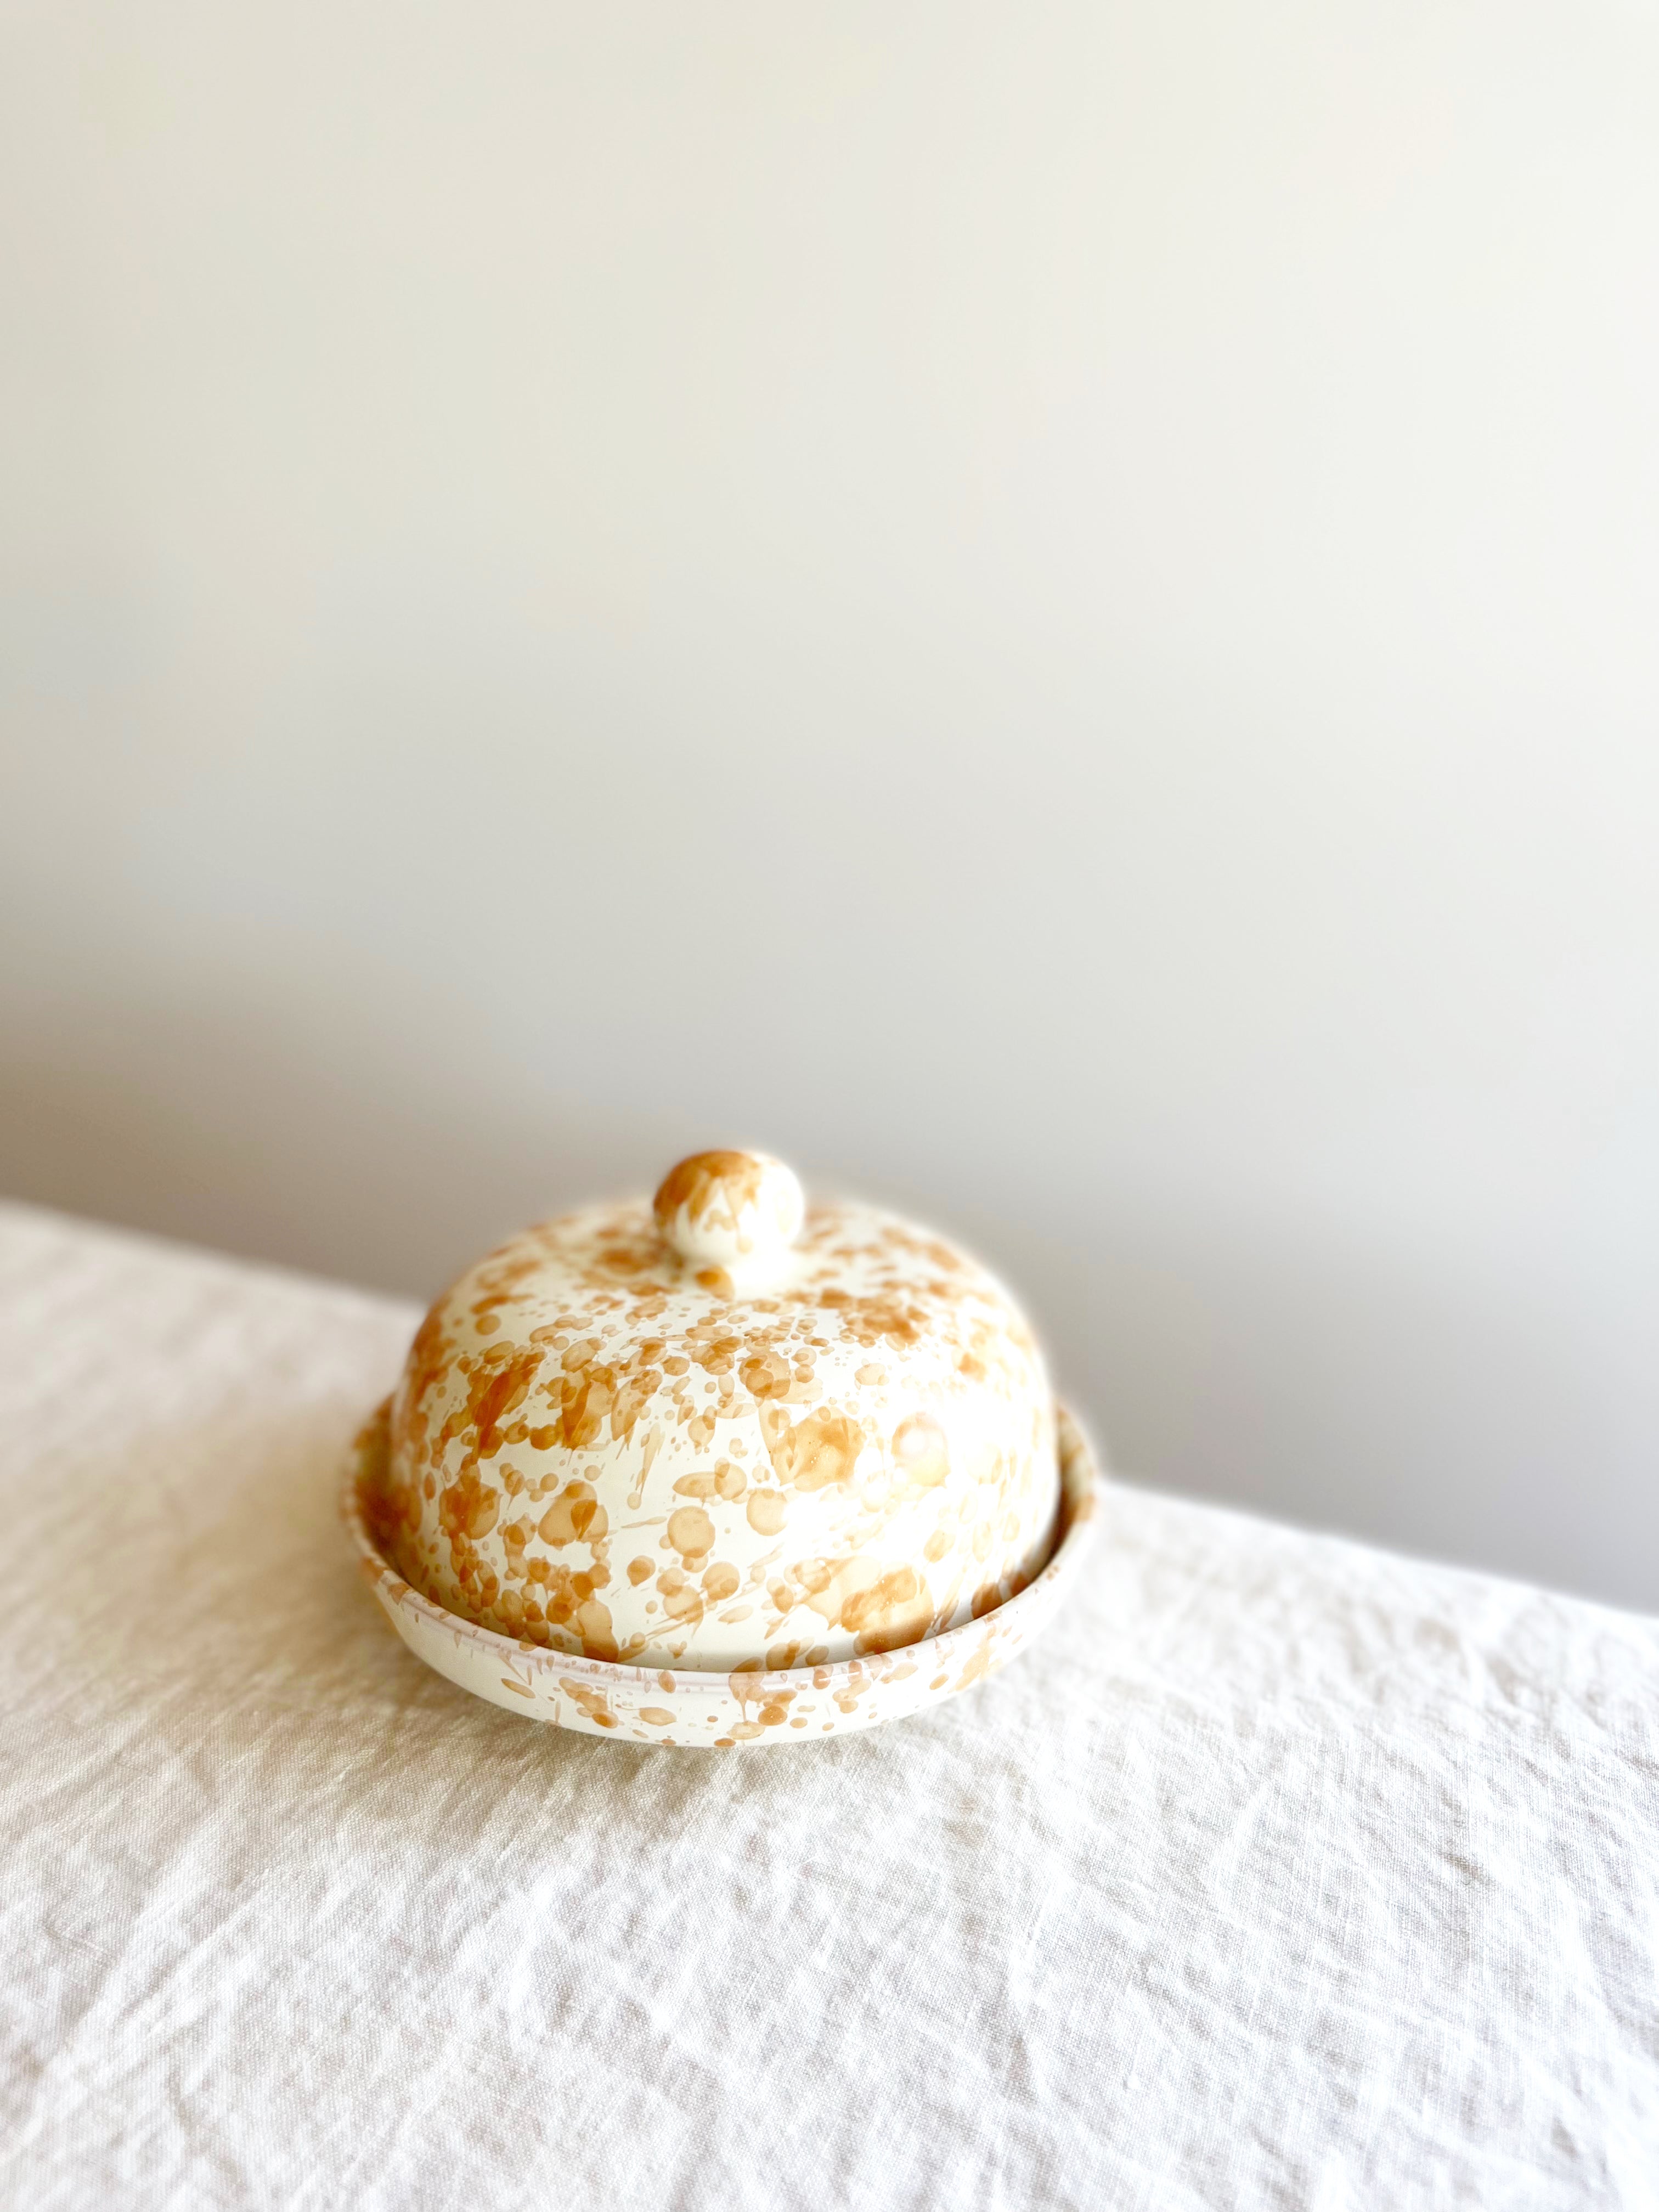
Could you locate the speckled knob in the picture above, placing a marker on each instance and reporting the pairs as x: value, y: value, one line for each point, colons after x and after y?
x: 731, y: 1217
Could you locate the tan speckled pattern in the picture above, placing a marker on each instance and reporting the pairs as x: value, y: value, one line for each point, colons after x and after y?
x: 755, y: 1703
x: 595, y: 1451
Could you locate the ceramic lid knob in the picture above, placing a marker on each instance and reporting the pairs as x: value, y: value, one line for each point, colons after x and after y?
x: 730, y: 1214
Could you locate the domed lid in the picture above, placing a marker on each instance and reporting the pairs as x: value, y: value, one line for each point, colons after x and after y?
x: 722, y: 1430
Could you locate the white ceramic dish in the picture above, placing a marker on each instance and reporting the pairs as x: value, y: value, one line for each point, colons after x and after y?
x: 753, y: 1703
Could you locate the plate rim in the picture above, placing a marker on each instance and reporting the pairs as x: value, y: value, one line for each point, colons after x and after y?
x: 1081, y: 1481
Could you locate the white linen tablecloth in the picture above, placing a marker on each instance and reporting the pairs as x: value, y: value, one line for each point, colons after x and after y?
x: 1283, y: 1873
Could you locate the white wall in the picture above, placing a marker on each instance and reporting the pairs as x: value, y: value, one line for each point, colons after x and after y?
x: 1050, y: 608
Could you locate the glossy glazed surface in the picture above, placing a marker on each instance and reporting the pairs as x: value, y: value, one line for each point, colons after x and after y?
x: 753, y: 1704
x: 600, y: 1447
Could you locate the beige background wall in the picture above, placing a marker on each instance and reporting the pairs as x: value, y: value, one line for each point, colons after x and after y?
x: 1052, y: 610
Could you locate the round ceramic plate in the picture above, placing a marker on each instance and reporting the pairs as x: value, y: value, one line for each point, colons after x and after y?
x: 754, y: 1704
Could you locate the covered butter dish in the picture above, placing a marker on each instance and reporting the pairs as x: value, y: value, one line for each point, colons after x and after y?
x: 720, y: 1468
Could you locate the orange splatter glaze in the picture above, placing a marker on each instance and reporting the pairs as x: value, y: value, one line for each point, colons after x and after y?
x: 862, y: 1458
x: 762, y: 1700
x: 709, y: 1183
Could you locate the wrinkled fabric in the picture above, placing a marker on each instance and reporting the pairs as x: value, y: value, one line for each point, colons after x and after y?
x: 1282, y: 1873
